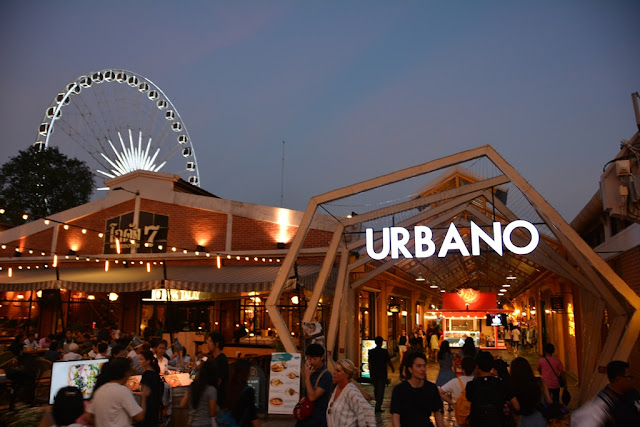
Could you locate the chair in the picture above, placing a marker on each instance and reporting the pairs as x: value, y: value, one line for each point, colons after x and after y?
x: 43, y: 381
x: 5, y: 357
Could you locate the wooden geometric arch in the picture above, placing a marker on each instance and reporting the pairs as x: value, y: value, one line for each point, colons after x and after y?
x: 592, y: 273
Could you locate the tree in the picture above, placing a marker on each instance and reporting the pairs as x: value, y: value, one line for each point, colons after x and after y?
x: 43, y: 182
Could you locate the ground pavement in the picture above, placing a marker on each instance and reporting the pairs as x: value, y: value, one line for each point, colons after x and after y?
x: 384, y: 419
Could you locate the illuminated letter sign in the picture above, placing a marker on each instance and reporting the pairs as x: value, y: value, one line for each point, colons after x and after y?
x: 397, y: 240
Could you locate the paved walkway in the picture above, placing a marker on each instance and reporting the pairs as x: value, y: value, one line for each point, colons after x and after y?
x: 384, y: 419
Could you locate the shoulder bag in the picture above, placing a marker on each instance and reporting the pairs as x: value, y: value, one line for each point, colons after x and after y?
x: 304, y: 407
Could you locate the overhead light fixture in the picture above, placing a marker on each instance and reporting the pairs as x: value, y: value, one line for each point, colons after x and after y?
x: 280, y: 245
x: 503, y: 290
x: 404, y: 313
x: 420, y: 278
x: 506, y: 285
x: 200, y: 248
x: 511, y: 277
x: 295, y: 300
x: 434, y: 286
x: 442, y: 290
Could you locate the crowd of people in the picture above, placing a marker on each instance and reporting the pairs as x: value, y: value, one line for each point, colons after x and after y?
x: 490, y: 392
x: 218, y: 392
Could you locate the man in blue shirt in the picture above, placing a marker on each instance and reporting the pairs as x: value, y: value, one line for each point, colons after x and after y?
x: 315, y: 371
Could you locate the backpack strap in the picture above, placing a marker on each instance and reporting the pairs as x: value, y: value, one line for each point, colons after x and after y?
x: 318, y: 379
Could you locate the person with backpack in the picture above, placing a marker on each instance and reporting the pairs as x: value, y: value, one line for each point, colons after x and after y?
x: 456, y: 388
x: 618, y: 404
x: 488, y: 395
x: 202, y: 396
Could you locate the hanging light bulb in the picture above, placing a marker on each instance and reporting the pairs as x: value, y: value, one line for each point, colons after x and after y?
x: 10, y: 272
x: 106, y: 265
x: 55, y: 260
x: 117, y: 246
x: 420, y: 278
x: 148, y: 267
x: 218, y: 262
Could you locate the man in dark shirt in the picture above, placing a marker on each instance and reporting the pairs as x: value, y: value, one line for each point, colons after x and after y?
x: 316, y: 368
x: 413, y: 401
x: 215, y: 342
x: 378, y: 362
x: 488, y: 395
x: 621, y: 398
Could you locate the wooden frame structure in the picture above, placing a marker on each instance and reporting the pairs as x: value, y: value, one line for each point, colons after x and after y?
x: 581, y: 265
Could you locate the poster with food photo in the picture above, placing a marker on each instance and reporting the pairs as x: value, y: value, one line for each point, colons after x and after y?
x: 284, y: 383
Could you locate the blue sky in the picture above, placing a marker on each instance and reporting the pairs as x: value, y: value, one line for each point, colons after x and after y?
x: 356, y: 89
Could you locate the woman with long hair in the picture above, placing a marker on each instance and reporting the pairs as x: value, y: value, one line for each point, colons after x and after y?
x: 347, y: 407
x: 532, y: 393
x: 152, y: 384
x: 239, y: 397
x: 445, y: 360
x: 468, y: 349
x: 202, y: 396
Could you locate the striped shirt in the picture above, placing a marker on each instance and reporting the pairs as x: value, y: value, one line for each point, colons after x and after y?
x: 350, y: 409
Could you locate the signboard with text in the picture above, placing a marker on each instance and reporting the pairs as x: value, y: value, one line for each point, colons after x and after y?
x: 148, y: 235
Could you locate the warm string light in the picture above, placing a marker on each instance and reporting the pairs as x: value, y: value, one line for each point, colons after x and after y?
x: 85, y: 231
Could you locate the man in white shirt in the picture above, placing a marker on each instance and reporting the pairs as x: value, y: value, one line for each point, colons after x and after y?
x: 31, y: 343
x: 515, y: 337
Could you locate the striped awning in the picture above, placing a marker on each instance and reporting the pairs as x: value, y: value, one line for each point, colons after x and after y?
x: 230, y: 279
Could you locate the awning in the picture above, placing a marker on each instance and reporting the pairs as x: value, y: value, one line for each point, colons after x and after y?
x: 229, y: 279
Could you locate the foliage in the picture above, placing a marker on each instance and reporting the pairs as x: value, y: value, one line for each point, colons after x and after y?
x: 41, y: 183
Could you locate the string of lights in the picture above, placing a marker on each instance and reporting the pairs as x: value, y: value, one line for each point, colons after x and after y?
x: 107, y: 259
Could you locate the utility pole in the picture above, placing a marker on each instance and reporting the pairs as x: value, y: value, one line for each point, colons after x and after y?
x: 282, y: 178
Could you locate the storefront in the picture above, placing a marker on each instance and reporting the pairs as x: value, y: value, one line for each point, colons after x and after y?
x: 168, y: 259
x: 469, y: 313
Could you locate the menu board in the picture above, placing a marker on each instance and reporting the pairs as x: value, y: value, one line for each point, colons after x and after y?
x: 284, y: 383
x: 364, y: 356
x: 76, y: 373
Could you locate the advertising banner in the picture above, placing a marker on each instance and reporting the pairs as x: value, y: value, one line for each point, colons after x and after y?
x: 284, y: 385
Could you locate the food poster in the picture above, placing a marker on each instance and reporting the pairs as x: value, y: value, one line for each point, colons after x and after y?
x: 313, y: 333
x: 364, y: 356
x: 284, y: 382
x: 77, y: 373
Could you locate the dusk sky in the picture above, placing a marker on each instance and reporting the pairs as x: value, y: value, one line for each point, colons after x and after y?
x: 357, y: 89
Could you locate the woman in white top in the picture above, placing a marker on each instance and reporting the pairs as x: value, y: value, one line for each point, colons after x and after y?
x: 347, y: 407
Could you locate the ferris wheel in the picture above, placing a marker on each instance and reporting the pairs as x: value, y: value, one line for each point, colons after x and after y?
x: 118, y: 122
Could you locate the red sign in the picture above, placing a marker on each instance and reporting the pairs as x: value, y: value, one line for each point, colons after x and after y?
x: 469, y: 301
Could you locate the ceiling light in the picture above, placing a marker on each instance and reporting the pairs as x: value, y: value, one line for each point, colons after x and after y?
x: 506, y: 285
x: 511, y: 277
x: 420, y: 278
x: 433, y: 286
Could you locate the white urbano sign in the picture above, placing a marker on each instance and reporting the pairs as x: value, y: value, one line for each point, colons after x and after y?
x: 395, y: 239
